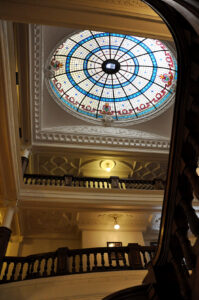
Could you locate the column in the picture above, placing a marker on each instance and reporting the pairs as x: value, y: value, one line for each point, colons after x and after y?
x: 25, y: 159
x: 5, y: 231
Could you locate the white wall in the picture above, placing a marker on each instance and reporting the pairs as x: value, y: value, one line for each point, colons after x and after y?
x: 33, y: 246
x: 92, y: 238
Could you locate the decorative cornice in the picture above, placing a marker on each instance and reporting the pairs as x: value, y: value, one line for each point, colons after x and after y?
x: 106, y: 131
x: 81, y: 136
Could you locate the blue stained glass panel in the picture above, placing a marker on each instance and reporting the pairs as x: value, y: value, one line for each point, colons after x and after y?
x: 125, y: 77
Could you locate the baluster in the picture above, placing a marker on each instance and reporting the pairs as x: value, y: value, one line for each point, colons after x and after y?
x: 96, y: 183
x: 80, y: 263
x: 36, y: 265
x: 73, y: 264
x: 88, y: 262
x: 124, y: 259
x: 145, y: 260
x: 95, y: 260
x: 52, y: 270
x: 28, y: 273
x: 12, y: 277
x: 84, y: 182
x: 103, y: 184
x: 89, y: 183
x: 20, y: 271
x: 39, y: 270
x: 36, y: 180
x: 5, y: 277
x: 45, y: 267
x: 150, y: 254
x: 109, y: 258
x: 102, y: 259
x: 31, y: 268
x: 181, y: 230
x: 117, y: 258
x: 193, y: 179
x: 191, y: 215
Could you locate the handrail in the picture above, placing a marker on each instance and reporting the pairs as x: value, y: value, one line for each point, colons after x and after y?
x: 93, y: 182
x: 169, y: 273
x: 66, y: 261
x: 174, y: 272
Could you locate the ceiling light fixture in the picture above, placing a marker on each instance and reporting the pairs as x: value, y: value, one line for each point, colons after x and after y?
x: 107, y: 165
x: 116, y: 225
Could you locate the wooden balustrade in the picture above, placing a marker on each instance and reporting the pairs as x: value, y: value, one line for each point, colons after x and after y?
x: 30, y: 267
x: 93, y: 182
x: 65, y: 261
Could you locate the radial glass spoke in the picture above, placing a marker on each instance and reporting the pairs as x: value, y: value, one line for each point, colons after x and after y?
x: 154, y: 67
x: 119, y: 46
x: 148, y: 53
x: 142, y: 94
x: 101, y: 95
x: 128, y: 98
x: 114, y: 96
x: 132, y: 48
x: 98, y: 44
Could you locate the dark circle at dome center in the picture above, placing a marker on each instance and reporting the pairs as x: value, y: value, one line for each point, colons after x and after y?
x: 111, y: 66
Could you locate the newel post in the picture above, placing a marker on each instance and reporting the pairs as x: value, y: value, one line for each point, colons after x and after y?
x: 62, y: 261
x: 158, y: 184
x: 134, y: 256
x: 114, y: 182
x: 68, y: 180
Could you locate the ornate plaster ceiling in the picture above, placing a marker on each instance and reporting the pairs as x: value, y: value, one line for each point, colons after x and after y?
x: 48, y: 222
x: 68, y: 224
x: 89, y: 166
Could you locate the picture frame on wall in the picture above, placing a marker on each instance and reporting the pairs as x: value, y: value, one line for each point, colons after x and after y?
x: 113, y: 254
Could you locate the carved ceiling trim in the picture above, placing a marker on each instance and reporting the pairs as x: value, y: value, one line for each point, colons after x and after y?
x: 80, y: 136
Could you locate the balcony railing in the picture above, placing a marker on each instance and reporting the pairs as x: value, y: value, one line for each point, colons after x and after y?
x: 94, y: 182
x: 66, y: 262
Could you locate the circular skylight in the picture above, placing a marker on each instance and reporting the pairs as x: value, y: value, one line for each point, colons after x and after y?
x: 112, y: 77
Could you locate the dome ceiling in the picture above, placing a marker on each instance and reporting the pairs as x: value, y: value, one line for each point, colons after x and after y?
x: 111, y: 77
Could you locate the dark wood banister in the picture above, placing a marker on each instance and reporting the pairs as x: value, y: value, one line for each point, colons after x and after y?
x: 174, y: 271
x: 94, y: 182
x: 66, y: 261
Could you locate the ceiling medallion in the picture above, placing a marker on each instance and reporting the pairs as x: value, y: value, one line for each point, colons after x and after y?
x: 112, y: 78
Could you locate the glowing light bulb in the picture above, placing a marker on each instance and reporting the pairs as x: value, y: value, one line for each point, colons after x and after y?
x: 116, y: 226
x: 108, y: 169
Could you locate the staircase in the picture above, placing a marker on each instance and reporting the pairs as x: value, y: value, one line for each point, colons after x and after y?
x: 174, y: 272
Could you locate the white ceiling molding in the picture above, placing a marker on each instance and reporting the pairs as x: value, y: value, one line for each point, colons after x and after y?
x: 93, y: 137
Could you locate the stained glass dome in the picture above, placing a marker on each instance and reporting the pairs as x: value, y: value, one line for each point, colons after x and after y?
x: 108, y: 76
